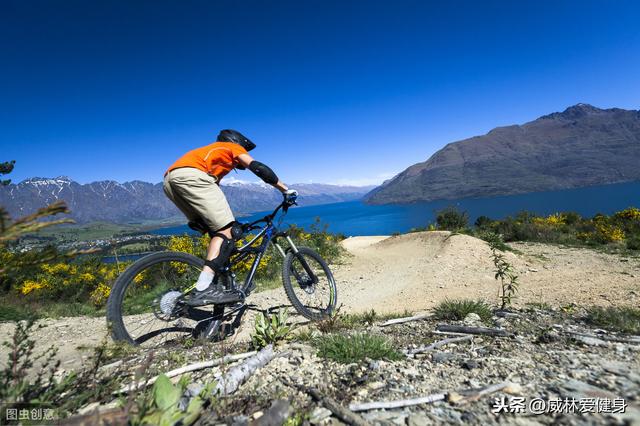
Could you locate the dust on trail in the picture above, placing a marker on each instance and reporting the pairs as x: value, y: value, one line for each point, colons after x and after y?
x: 414, y: 272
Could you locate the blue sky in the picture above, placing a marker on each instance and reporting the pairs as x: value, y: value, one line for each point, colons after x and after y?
x: 331, y: 91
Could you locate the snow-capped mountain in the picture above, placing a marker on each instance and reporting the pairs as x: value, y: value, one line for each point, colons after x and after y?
x: 136, y: 201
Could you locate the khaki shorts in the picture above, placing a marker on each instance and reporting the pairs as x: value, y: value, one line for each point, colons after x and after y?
x: 198, y: 195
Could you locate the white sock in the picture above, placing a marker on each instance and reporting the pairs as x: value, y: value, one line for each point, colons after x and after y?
x: 204, y: 280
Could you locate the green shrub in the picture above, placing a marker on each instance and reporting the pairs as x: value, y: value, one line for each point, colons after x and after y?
x: 457, y: 310
x: 494, y: 240
x: 338, y: 321
x: 633, y: 243
x: 270, y: 330
x: 623, y: 319
x: 161, y: 405
x: 353, y: 348
x: 483, y: 222
x: 617, y: 230
x: 452, y: 219
x: 30, y: 378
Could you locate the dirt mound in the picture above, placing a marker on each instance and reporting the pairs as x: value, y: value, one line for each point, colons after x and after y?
x: 415, y: 271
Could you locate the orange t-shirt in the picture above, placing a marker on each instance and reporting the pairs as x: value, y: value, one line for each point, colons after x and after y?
x: 216, y: 159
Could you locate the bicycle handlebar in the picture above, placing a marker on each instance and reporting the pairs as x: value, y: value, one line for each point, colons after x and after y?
x: 284, y: 205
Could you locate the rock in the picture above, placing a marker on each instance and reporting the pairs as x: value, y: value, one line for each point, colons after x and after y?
x: 590, y: 341
x: 376, y: 385
x: 470, y: 364
x: 454, y: 397
x: 419, y: 419
x: 473, y: 383
x: 240, y: 421
x: 374, y: 365
x: 318, y: 415
x: 90, y: 408
x: 400, y: 420
x: 548, y: 336
x: 472, y: 318
x: 411, y: 372
x: 441, y: 357
x: 513, y: 389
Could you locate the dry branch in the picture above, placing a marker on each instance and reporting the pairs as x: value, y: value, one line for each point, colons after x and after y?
x: 403, y: 320
x: 423, y: 349
x: 634, y: 340
x: 187, y: 369
x: 469, y: 396
x: 231, y: 381
x: 461, y: 397
x: 398, y: 403
x: 343, y: 413
x: 496, y: 332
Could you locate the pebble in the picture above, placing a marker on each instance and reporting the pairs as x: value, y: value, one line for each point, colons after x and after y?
x: 419, y: 419
x: 318, y: 415
x: 470, y: 364
x: 472, y: 318
x: 440, y: 357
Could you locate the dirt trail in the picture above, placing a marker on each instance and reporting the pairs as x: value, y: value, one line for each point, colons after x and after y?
x: 414, y: 272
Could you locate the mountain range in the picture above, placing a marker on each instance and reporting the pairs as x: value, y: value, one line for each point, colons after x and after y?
x: 581, y: 146
x: 137, y: 201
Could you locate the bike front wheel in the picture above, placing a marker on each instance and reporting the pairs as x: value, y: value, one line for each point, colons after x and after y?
x: 309, y: 284
x: 145, y: 305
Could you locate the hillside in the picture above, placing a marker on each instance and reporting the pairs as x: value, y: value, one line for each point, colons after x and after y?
x: 581, y: 146
x: 136, y: 201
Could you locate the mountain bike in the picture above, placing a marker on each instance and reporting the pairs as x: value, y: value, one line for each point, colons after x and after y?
x: 147, y: 302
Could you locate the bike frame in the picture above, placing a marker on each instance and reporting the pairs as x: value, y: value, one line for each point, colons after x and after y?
x: 269, y: 233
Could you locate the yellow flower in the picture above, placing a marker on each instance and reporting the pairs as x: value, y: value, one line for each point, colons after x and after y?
x: 609, y: 233
x: 182, y: 243
x: 631, y: 213
x: 30, y: 285
x: 555, y: 219
x: 539, y: 220
x: 140, y: 277
x: 86, y: 277
x: 100, y: 294
x: 54, y: 269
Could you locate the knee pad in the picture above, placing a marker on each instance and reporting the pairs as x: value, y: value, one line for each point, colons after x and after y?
x: 219, y: 263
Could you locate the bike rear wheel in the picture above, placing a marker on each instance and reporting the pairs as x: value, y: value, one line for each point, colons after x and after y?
x: 309, y: 284
x: 145, y: 305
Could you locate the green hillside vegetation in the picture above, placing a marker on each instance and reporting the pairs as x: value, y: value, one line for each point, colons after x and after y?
x: 619, y: 231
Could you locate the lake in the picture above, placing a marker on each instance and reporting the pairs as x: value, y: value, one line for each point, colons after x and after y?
x: 356, y: 218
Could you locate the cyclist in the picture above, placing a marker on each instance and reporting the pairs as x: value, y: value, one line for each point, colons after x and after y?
x: 192, y: 183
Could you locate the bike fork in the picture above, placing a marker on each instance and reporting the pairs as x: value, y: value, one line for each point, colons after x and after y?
x: 303, y: 261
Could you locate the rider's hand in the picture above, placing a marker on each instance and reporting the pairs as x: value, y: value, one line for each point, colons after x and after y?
x: 290, y: 194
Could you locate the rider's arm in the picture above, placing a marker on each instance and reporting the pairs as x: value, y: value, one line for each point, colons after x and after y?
x: 262, y: 171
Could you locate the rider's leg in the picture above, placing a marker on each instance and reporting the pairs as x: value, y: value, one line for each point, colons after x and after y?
x: 213, y: 251
x: 214, y: 247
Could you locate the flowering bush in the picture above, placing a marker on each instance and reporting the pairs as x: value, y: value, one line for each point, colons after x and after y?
x: 622, y: 227
x: 80, y: 281
x: 631, y: 214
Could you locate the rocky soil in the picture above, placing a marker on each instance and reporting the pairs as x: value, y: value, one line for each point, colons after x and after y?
x: 542, y: 356
x: 542, y: 359
x: 415, y: 272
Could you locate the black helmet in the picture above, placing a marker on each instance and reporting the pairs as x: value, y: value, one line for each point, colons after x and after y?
x: 234, y: 136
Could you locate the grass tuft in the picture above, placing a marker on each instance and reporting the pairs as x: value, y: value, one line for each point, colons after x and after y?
x: 457, y: 310
x: 356, y: 347
x: 623, y: 319
x: 339, y: 321
x: 541, y: 306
